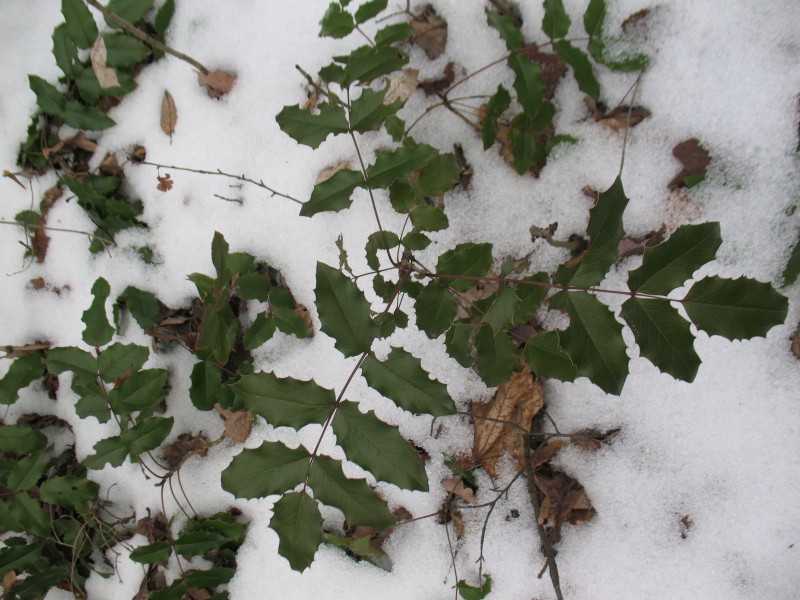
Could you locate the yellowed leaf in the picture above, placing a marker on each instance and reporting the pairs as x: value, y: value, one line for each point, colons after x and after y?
x: 401, y: 86
x: 169, y: 114
x: 9, y: 579
x: 329, y: 172
x: 237, y: 424
x: 106, y: 76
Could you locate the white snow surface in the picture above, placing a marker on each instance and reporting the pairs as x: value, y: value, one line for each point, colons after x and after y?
x: 724, y: 450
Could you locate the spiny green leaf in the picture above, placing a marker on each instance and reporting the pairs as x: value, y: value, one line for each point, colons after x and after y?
x: 555, y: 23
x: 511, y: 34
x: 344, y: 311
x: 69, y: 491
x: 593, y: 340
x: 85, y: 117
x: 154, y: 553
x: 395, y: 127
x: 284, y: 401
x: 66, y: 52
x: 272, y: 468
x: 112, y: 450
x: 525, y: 149
x: 368, y: 112
x: 142, y: 305
x: 27, y: 471
x: 91, y: 400
x: 262, y: 329
x: 496, y: 356
x: 19, y: 558
x: 416, y: 241
x: 354, y: 497
x: 80, y: 362
x: 527, y: 82
x: 736, y: 309
x: 468, y: 260
x: 336, y: 22
x: 501, y: 312
x: 296, y: 520
x: 396, y: 32
x: 98, y: 331
x: 118, y: 358
x: 398, y: 163
x: 530, y: 296
x: 197, y: 543
x: 21, y: 440
x: 206, y: 381
x: 380, y: 241
x: 403, y: 195
x: 440, y: 175
x: 22, y: 372
x: 79, y: 21
x: 663, y: 336
x: 581, y: 67
x: 545, y: 357
x: 671, y: 263
x: 334, y: 193
x: 312, y: 129
x: 378, y: 447
x: 458, y: 344
x: 470, y: 592
x: 123, y: 50
x: 27, y: 514
x: 366, y: 64
x: 146, y: 435
x: 429, y: 218
x: 605, y: 232
x: 496, y: 106
x: 288, y: 321
x: 210, y: 578
x: 436, y: 308
x: 130, y: 10
x: 370, y: 9
x: 142, y: 392
x: 593, y: 17
x: 792, y: 266
x: 402, y: 379
x: 164, y: 16
x: 49, y: 99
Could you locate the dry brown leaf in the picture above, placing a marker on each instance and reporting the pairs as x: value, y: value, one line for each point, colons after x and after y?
x: 303, y: 313
x: 430, y: 32
x: 106, y: 76
x: 237, y: 424
x: 695, y: 161
x: 480, y: 291
x: 401, y: 86
x: 564, y: 500
x: 329, y: 172
x: 546, y: 453
x: 796, y: 342
x: 499, y: 424
x: 617, y: 118
x: 631, y: 246
x: 153, y: 528
x: 110, y: 166
x: 592, y: 441
x: 217, y: 83
x: 39, y: 240
x: 455, y: 486
x: 440, y: 84
x: 138, y: 154
x: 164, y: 183
x: 169, y: 114
x: 9, y: 579
x: 186, y: 444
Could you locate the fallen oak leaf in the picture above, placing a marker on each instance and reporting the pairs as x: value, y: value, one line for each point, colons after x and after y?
x: 237, y: 424
x: 169, y: 114
x: 217, y: 83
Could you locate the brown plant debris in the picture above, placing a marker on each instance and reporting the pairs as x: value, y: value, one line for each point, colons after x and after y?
x: 431, y: 87
x: 695, y: 161
x: 110, y: 166
x: 686, y: 523
x: 617, y: 118
x: 509, y: 9
x: 430, y: 32
x: 456, y: 486
x: 169, y: 114
x: 217, y: 83
x: 13, y: 177
x: 552, y: 67
x: 564, y: 501
x: 237, y: 424
x: 401, y: 86
x: 153, y: 528
x: 106, y: 76
x: 178, y: 325
x: 796, y: 342
x: 164, y: 183
x: 501, y: 423
x: 632, y: 246
x: 186, y: 445
x: 591, y: 440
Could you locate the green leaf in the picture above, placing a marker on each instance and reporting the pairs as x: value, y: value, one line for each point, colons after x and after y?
x: 792, y: 266
x: 124, y: 50
x: 440, y: 175
x: 142, y: 392
x: 66, y: 52
x: 429, y: 218
x: 130, y: 10
x: 436, y: 308
x: 284, y: 401
x: 469, y: 592
x: 281, y: 297
x: 593, y: 340
x: 21, y: 440
x: 91, y: 91
x: 380, y: 241
x: 85, y: 117
x: 398, y: 163
x: 204, y: 284
x: 19, y: 558
x: 210, y: 578
x: 545, y: 357
x: 370, y: 9
x: 593, y: 17
x: 505, y: 27
x: 354, y: 497
x: 22, y: 372
x: 344, y: 311
x: 152, y: 554
x: 416, y: 241
x: 146, y: 435
x: 334, y: 193
x: 458, y: 344
x: 142, y: 305
x: 112, y: 450
x: 312, y: 129
x: 368, y: 112
x: 663, y: 336
x: 175, y: 591
x: 91, y: 402
x: 164, y: 16
x: 219, y: 256
x: 496, y: 106
x: 98, y: 331
x: 525, y: 148
x: 366, y: 63
x: 49, y: 99
x: 119, y: 359
x: 469, y: 260
x: 23, y: 513
x: 218, y: 333
x: 501, y: 312
x: 605, y: 232
x: 27, y: 471
x: 530, y: 296
x: 555, y: 23
x: 395, y: 127
x: 402, y: 379
x: 69, y: 491
x: 197, y: 543
x: 288, y: 321
x: 253, y: 286
x: 272, y: 468
x: 397, y: 32
x: 80, y: 362
x: 736, y: 309
x: 336, y: 22
x: 581, y: 67
x: 527, y: 82
x: 359, y: 547
x: 79, y: 22
x: 378, y: 447
x: 496, y: 356
x: 403, y: 196
x: 206, y: 381
x: 671, y: 263
x: 296, y: 520
x: 262, y: 329
x: 38, y: 584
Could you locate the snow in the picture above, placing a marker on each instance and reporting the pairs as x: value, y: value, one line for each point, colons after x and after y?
x: 723, y: 450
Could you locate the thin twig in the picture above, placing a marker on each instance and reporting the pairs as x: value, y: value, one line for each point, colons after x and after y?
x: 628, y: 123
x: 49, y: 228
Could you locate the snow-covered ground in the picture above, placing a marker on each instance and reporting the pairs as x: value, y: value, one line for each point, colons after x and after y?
x: 724, y: 450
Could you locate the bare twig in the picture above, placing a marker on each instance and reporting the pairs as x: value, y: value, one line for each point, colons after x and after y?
x: 105, y: 241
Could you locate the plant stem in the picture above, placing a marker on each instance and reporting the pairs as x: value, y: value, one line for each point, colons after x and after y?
x: 138, y: 33
x: 49, y: 228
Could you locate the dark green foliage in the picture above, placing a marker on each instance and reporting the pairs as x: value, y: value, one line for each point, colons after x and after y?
x: 792, y: 269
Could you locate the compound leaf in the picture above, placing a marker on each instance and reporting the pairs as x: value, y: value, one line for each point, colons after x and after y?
x: 436, y: 308
x: 402, y: 379
x: 378, y: 447
x: 555, y: 23
x: 506, y: 28
x: 298, y: 523
x: 272, y: 468
x: 336, y: 22
x: 545, y: 357
x: 664, y: 337
x: 671, y: 263
x: 79, y: 22
x: 354, y: 497
x: 120, y: 359
x: 284, y: 401
x: 333, y: 194
x: 495, y: 355
x: 398, y: 163
x: 344, y: 311
x: 735, y: 308
x: 22, y: 372
x: 468, y: 260
x: 312, y: 129
x: 581, y: 67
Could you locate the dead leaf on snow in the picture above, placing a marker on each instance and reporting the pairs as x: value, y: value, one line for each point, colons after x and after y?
x: 106, y: 76
x: 632, y: 246
x: 329, y: 172
x: 430, y: 32
x: 237, y: 424
x: 110, y: 166
x: 455, y: 486
x: 217, y: 83
x: 546, y: 453
x: 401, y: 86
x: 164, y: 183
x: 186, y: 444
x: 169, y: 114
x: 796, y: 342
x: 564, y: 501
x: 686, y: 524
x: 617, y: 118
x: 551, y: 66
x: 500, y: 423
x: 591, y: 441
x: 39, y: 240
x: 695, y: 161
x: 434, y: 86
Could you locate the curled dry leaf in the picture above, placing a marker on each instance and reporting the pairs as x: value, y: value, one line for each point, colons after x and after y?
x: 110, y: 166
x: 169, y: 114
x: 592, y: 441
x: 237, y: 424
x: 501, y: 423
x: 632, y: 246
x: 217, y: 83
x: 430, y: 32
x: 164, y: 183
x: 695, y: 161
x: 303, y: 313
x: 480, y: 291
x: 186, y: 444
x: 546, y: 453
x: 440, y: 84
x: 564, y: 501
x: 106, y: 76
x: 401, y: 86
x: 617, y: 118
x: 455, y: 486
